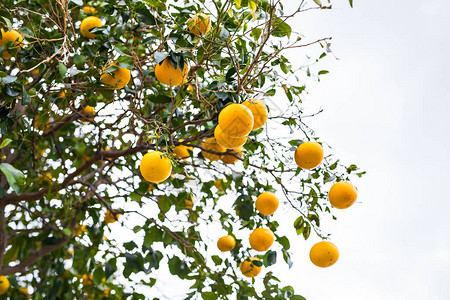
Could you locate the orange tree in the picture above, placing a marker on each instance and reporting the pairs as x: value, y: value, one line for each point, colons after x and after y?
x: 89, y: 87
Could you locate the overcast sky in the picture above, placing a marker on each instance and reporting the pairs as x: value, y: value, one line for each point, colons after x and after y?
x: 386, y: 105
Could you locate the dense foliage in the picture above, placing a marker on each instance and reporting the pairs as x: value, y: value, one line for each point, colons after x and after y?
x: 64, y: 166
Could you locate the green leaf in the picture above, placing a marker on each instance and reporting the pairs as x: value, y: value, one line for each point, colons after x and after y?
x: 209, y: 296
x: 270, y: 258
x: 281, y: 28
x: 14, y: 177
x: 8, y: 79
x: 79, y: 60
x: 159, y: 99
x: 216, y: 259
x: 284, y: 241
x: 5, y: 143
x: 99, y: 274
x: 323, y: 72
x: 62, y: 69
x: 125, y: 62
x: 26, y: 99
x: 318, y: 2
x: 351, y: 2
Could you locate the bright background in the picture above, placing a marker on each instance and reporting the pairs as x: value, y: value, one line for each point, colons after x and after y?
x: 385, y: 108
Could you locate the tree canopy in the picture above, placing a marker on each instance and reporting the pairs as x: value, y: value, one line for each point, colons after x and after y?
x: 90, y: 87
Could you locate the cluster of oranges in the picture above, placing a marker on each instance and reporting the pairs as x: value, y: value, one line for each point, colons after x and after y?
x: 342, y: 195
x: 261, y: 239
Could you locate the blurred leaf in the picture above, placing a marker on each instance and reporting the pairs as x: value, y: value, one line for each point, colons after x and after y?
x: 14, y: 177
x: 5, y: 143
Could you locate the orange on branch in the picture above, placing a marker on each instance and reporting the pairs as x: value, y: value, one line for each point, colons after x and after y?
x: 109, y: 217
x: 200, y: 24
x: 267, y: 203
x: 87, y: 24
x: 248, y: 267
x: 259, y: 111
x: 231, y: 159
x: 116, y: 79
x: 308, y: 155
x: 226, y: 243
x: 212, y: 145
x: 342, y: 194
x: 155, y: 167
x: 324, y: 254
x: 182, y: 151
x: 168, y: 74
x: 261, y: 239
x: 11, y: 36
x: 236, y: 120
x: 227, y: 141
x: 4, y: 285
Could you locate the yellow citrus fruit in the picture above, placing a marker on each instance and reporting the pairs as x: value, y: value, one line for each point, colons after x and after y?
x: 24, y: 291
x: 63, y: 94
x: 89, y: 113
x: 86, y: 279
x: 190, y: 88
x: 11, y: 36
x: 89, y: 10
x: 109, y: 217
x: 226, y: 243
x: 200, y: 24
x: 78, y: 231
x: 227, y: 141
x: 267, y: 203
x: 342, y: 194
x: 324, y: 254
x: 248, y: 268
x: 261, y: 239
x: 231, y: 159
x: 236, y: 120
x: 117, y: 79
x: 218, y: 184
x: 155, y: 167
x: 4, y: 285
x: 182, y: 151
x: 259, y: 111
x: 308, y: 155
x: 211, y: 144
x: 87, y: 24
x: 35, y: 71
x: 166, y: 73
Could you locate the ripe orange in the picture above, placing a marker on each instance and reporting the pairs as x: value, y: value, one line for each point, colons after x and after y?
x: 248, y: 268
x: 230, y: 159
x: 259, y: 111
x: 155, y: 167
x: 87, y: 24
x: 24, y: 291
x: 11, y: 36
x: 267, y: 203
x: 211, y: 144
x: 200, y: 24
x: 342, y: 194
x: 167, y: 74
x: 236, y: 120
x: 4, y: 285
x: 227, y: 141
x: 308, y: 155
x: 89, y: 113
x: 324, y: 254
x: 226, y: 243
x: 117, y: 79
x: 89, y: 10
x: 261, y: 239
x: 109, y: 217
x: 182, y: 151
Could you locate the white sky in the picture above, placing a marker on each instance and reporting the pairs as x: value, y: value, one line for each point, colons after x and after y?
x: 386, y: 104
